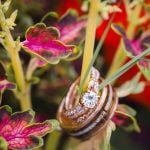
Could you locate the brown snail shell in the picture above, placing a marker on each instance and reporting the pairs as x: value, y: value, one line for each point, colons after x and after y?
x: 94, y: 110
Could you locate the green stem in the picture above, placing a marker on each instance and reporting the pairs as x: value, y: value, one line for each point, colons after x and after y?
x: 12, y: 48
x: 31, y: 68
x: 97, y: 50
x: 25, y: 98
x: 25, y: 102
x: 53, y: 140
x: 89, y: 40
x: 39, y: 148
x: 13, y: 52
x: 123, y: 69
x: 120, y: 56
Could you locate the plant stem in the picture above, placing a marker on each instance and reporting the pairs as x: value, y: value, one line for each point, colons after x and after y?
x: 96, y: 52
x: 13, y: 50
x: 25, y: 98
x: 89, y: 39
x: 31, y: 68
x: 120, y: 56
x: 53, y: 138
x: 123, y: 69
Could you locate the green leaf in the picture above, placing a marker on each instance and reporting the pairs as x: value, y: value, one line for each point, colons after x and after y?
x: 6, y: 5
x: 127, y: 109
x: 14, y: 15
x: 11, y: 20
x: 3, y: 144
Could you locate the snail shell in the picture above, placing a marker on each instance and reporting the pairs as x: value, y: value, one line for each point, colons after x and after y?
x: 94, y: 110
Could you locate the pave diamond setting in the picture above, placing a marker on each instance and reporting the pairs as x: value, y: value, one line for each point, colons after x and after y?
x: 91, y: 96
x: 94, y: 86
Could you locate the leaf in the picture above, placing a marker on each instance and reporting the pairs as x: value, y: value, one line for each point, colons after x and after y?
x: 13, y: 16
x: 50, y: 17
x: 118, y: 29
x: 70, y: 26
x: 44, y: 43
x: 54, y: 123
x: 134, y: 47
x: 127, y: 109
x: 132, y: 86
x: 4, y: 84
x: 62, y: 40
x: 19, y: 130
x: 124, y: 117
x: 10, y: 22
x: 6, y: 5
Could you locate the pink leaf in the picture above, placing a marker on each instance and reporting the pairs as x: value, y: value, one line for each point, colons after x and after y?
x: 44, y: 42
x: 70, y: 25
x: 19, y: 130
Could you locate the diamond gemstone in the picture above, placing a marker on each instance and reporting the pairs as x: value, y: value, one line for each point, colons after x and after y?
x: 94, y: 85
x: 90, y: 99
x: 95, y: 74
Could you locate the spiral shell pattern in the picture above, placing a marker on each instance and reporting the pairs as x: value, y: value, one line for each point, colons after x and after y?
x: 92, y: 113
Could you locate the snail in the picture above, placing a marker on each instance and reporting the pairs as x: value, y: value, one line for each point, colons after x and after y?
x: 94, y: 110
